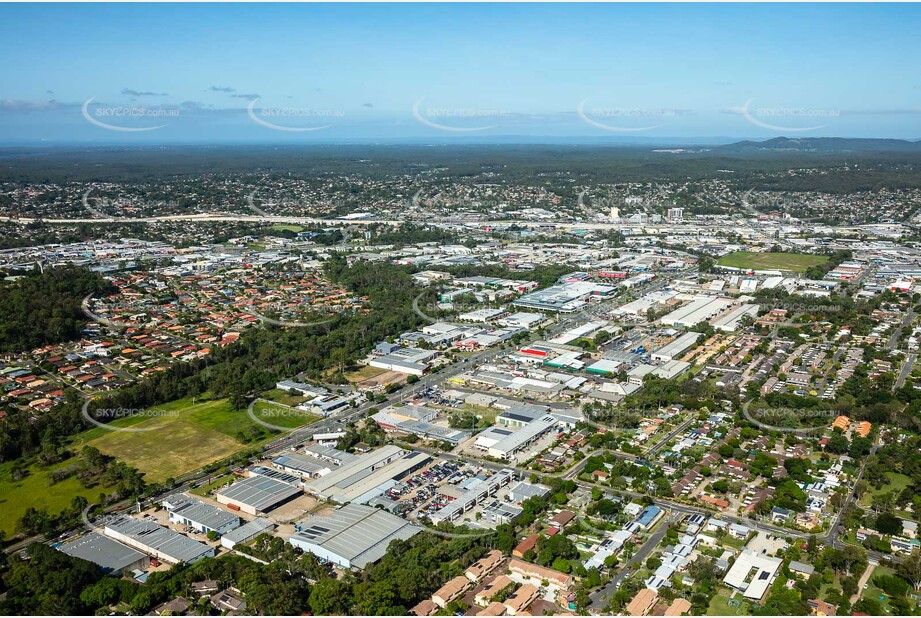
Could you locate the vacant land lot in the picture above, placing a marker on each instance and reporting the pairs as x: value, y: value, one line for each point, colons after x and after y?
x: 36, y: 490
x: 796, y: 262
x: 182, y: 438
x: 894, y: 482
x: 282, y: 416
x: 373, y: 377
x: 283, y: 397
x: 364, y: 372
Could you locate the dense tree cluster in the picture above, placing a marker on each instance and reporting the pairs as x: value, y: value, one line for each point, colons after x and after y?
x: 40, y: 308
x: 410, y: 234
x: 820, y: 270
x: 48, y: 583
x: 544, y: 275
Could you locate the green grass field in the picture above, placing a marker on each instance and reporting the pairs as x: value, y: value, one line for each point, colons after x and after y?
x: 218, y: 481
x: 796, y: 262
x: 872, y: 592
x: 189, y: 436
x: 36, y: 490
x: 719, y: 605
x: 283, y: 397
x: 281, y: 227
x: 184, y: 438
x: 896, y: 482
x: 485, y: 413
x: 282, y: 416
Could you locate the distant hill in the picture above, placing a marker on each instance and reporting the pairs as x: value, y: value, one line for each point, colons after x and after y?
x: 818, y: 145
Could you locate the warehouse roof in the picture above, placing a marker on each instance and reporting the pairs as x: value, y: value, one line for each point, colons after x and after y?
x: 516, y: 440
x: 200, y: 513
x: 308, y: 466
x: 676, y: 347
x: 259, y: 492
x: 362, y: 474
x: 165, y: 541
x: 524, y: 413
x: 249, y: 530
x: 109, y: 554
x: 272, y: 473
x: 358, y: 533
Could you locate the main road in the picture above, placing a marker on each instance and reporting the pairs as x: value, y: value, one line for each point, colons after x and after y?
x: 436, y: 377
x: 282, y: 219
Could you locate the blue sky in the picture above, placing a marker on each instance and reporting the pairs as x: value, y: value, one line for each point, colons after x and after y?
x: 193, y: 72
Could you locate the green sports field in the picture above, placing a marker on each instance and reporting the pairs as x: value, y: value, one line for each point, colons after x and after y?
x: 795, y: 262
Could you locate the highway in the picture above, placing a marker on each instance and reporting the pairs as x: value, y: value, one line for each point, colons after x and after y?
x: 307, y: 221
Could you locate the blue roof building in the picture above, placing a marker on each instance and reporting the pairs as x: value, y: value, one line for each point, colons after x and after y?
x: 648, y: 516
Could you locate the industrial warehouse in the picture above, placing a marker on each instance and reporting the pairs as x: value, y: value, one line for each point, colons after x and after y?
x: 257, y: 494
x: 699, y: 310
x: 111, y: 556
x: 415, y: 420
x: 504, y: 444
x: 359, y: 479
x: 475, y: 492
x: 351, y: 536
x: 565, y: 298
x: 199, y: 516
x: 246, y: 533
x: 157, y: 541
